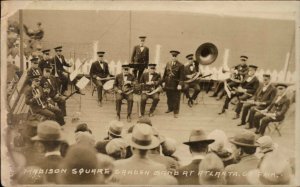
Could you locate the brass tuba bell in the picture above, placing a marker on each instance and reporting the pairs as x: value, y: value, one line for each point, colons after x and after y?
x: 206, y: 53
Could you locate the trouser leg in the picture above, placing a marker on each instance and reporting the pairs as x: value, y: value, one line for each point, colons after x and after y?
x: 187, y: 91
x: 197, y: 89
x: 59, y: 115
x: 140, y: 73
x: 99, y: 85
x: 61, y: 103
x: 176, y: 101
x: 119, y: 98
x: 245, y: 112
x: 226, y: 103
x: 256, y: 120
x: 169, y: 100
x: 251, y: 115
x: 47, y: 113
x: 64, y: 83
x: 155, y: 101
x: 129, y: 99
x: 264, y: 123
x: 144, y: 98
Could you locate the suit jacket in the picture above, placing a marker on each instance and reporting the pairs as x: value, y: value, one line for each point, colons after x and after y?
x: 251, y: 86
x: 59, y: 65
x: 97, y: 71
x: 156, y: 78
x: 168, y: 162
x: 266, y: 96
x: 119, y: 81
x: 135, y: 163
x: 140, y: 57
x: 44, y: 63
x: 237, y: 173
x: 54, y: 88
x: 173, y: 75
x: 190, y: 69
x: 51, y: 162
x: 32, y: 72
x: 280, y: 107
x: 29, y: 100
x: 192, y: 179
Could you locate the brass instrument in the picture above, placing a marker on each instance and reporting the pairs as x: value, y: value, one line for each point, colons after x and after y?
x: 206, y: 53
x: 265, y: 113
x: 127, y: 87
x: 38, y: 100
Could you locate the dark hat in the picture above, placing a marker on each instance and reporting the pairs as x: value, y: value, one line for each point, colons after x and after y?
x: 243, y: 57
x: 125, y: 66
x: 59, y: 48
x: 253, y: 66
x: 244, y: 138
x: 190, y: 56
x: 100, y: 53
x: 267, y: 75
x: 151, y: 65
x: 198, y: 136
x: 174, y: 53
x: 46, y: 51
x: 142, y: 137
x: 281, y: 85
x: 82, y: 127
x: 101, y: 146
x: 48, y: 131
x: 145, y: 120
x: 115, y: 128
x: 142, y: 37
x: 34, y: 60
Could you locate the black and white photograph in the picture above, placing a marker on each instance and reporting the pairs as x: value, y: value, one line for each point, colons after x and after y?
x: 150, y: 93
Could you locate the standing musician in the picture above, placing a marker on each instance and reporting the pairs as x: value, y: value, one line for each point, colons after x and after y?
x: 262, y: 99
x: 245, y: 91
x: 275, y: 112
x: 172, y: 82
x: 190, y: 71
x: 99, y: 73
x: 45, y: 61
x: 140, y: 55
x: 34, y: 70
x: 124, y: 87
x: 54, y: 89
x: 35, y: 98
x: 150, y: 83
x: 58, y: 63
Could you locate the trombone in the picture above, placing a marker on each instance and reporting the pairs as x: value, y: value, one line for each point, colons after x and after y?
x: 38, y: 100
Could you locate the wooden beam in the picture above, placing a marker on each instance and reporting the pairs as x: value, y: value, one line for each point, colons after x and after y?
x: 21, y: 41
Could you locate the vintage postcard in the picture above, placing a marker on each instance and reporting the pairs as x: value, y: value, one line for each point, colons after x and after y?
x: 149, y: 93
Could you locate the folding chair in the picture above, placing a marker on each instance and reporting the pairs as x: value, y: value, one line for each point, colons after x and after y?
x: 277, y: 127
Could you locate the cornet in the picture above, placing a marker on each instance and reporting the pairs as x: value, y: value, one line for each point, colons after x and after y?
x: 38, y: 100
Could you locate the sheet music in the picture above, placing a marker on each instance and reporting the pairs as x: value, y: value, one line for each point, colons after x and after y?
x: 81, y: 84
x: 74, y: 74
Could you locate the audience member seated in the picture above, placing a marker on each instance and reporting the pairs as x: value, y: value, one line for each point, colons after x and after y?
x: 116, y: 148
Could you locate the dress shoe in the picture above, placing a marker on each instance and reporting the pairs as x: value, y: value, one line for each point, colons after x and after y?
x: 218, y: 99
x: 128, y: 119
x: 237, y: 116
x: 249, y: 128
x: 190, y: 103
x: 168, y: 111
x: 223, y: 111
x: 213, y: 95
x: 151, y: 114
x: 257, y: 132
x: 118, y: 117
x: 241, y: 124
x: 175, y: 115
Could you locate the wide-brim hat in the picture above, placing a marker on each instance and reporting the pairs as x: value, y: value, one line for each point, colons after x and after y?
x: 198, y: 136
x: 48, y: 131
x: 142, y: 137
x: 244, y: 138
x: 115, y: 128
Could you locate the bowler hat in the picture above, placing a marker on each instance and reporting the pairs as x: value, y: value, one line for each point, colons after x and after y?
x: 189, y: 56
x: 48, y: 131
x: 198, y: 136
x: 244, y: 138
x: 142, y: 137
x: 115, y: 128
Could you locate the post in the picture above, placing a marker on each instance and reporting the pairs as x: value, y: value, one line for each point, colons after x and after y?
x: 21, y: 40
x: 95, y: 49
x: 129, y: 37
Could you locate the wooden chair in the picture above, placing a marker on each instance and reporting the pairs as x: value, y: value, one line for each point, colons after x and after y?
x: 277, y: 126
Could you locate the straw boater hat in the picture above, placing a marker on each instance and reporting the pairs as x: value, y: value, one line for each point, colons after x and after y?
x: 116, y: 145
x: 198, y: 136
x: 244, y: 138
x: 48, y: 131
x: 115, y: 128
x: 142, y: 137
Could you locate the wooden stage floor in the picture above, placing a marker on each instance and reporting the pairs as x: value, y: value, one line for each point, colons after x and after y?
x: 204, y: 115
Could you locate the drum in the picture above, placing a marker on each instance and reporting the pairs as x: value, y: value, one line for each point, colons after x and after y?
x: 109, y: 85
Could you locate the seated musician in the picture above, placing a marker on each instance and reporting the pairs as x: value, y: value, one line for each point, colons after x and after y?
x: 54, y: 89
x: 150, y: 83
x: 99, y: 73
x: 262, y: 99
x: 34, y: 70
x: 45, y: 60
x: 191, y: 71
x: 275, y: 112
x: 245, y: 91
x: 124, y: 87
x: 36, y: 99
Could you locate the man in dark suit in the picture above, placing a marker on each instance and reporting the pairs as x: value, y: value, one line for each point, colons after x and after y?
x: 124, y: 87
x: 198, y: 144
x: 49, y: 135
x: 99, y: 73
x: 140, y: 56
x: 45, y: 61
x: 262, y: 99
x: 150, y: 82
x: 245, y: 91
x: 58, y: 63
x: 275, y: 112
x: 190, y: 71
x: 54, y: 94
x: 172, y: 82
x: 34, y: 69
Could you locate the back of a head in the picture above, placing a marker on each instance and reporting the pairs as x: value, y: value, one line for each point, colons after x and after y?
x: 79, y: 158
x: 169, y: 146
x: 163, y: 180
x: 117, y: 148
x: 221, y: 140
x: 85, y: 138
x: 209, y: 167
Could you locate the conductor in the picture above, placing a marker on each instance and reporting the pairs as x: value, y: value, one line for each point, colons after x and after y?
x: 140, y: 55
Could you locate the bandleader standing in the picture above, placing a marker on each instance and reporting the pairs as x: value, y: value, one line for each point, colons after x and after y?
x: 140, y: 56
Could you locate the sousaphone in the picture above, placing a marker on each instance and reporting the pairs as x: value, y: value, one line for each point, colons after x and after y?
x: 206, y: 53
